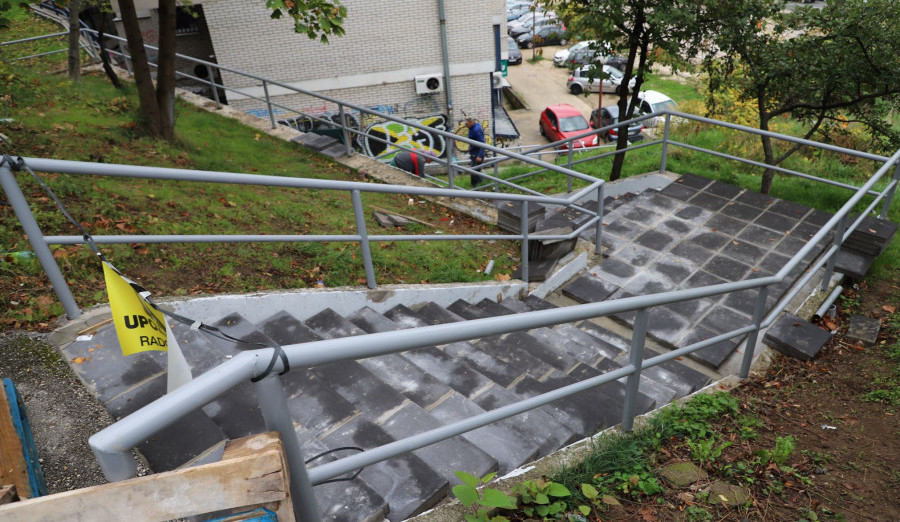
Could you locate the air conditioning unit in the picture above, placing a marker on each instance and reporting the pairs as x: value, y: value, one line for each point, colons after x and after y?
x: 496, y: 79
x: 429, y: 83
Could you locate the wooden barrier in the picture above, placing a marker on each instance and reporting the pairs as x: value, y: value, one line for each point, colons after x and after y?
x: 253, y: 473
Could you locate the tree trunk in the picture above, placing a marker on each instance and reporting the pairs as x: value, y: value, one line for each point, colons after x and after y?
x: 74, y: 64
x: 140, y: 68
x: 165, y: 72
x: 768, y: 151
x: 635, y: 41
x: 104, y: 58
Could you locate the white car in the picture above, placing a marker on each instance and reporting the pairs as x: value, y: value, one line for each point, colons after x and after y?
x: 654, y: 101
x: 580, y: 80
x: 559, y: 59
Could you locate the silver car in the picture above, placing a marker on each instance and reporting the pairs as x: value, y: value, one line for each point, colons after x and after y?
x: 580, y: 80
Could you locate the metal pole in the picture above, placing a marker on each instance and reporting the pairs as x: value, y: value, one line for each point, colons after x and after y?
x: 569, y: 178
x: 363, y: 237
x: 126, y: 57
x: 525, y: 276
x: 451, y: 155
x: 599, y: 235
x: 750, y: 345
x: 212, y: 85
x: 273, y: 405
x: 665, y: 145
x: 886, y: 205
x: 269, y: 103
x: 36, y: 239
x: 838, y: 239
x: 636, y: 359
x: 347, y: 148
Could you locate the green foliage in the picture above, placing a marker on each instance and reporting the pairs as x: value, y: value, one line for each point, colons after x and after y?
x: 697, y: 514
x: 706, y: 450
x: 692, y: 420
x: 481, y: 501
x: 784, y: 446
x: 537, y: 497
x: 314, y: 18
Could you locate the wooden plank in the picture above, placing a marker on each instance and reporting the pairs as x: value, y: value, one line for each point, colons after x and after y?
x: 391, y: 212
x: 284, y: 509
x: 249, y: 479
x: 13, y: 468
x: 8, y: 494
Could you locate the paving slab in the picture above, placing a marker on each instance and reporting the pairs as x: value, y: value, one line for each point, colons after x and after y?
x: 589, y: 289
x: 864, y: 329
x: 852, y: 263
x: 796, y: 337
x: 712, y: 356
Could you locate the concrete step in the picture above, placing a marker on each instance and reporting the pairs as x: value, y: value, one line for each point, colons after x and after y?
x: 407, y: 483
x: 346, y: 500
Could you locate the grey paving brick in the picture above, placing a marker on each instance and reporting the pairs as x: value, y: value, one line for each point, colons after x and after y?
x: 726, y: 268
x: 685, y: 376
x: 789, y: 246
x: 313, y: 404
x: 672, y: 268
x: 642, y: 215
x: 536, y: 303
x: 405, y: 317
x: 564, y: 341
x: 586, y: 412
x: 853, y: 264
x: 407, y: 379
x: 453, y: 372
x: 818, y: 217
x: 700, y: 279
x: 709, y: 239
x: 510, y: 448
x: 805, y: 231
x: 763, y: 237
x: 666, y: 326
x: 693, y: 252
x: 708, y: 201
x: 721, y: 319
x: 693, y: 214
x: 712, y: 356
x: 655, y: 240
x: 493, y: 308
x: 371, y: 321
x: 467, y: 311
x: 635, y: 255
x: 588, y: 289
x: 864, y: 329
x: 660, y: 201
x: 360, y: 387
x: 773, y: 262
x: 645, y: 284
x: 743, y: 301
x: 623, y: 228
x: 754, y: 199
x: 675, y: 227
x: 545, y: 352
x: 331, y: 325
x: 434, y: 313
x: 237, y: 412
x: 678, y: 191
x: 613, y: 271
x: 598, y: 339
x: 692, y: 309
x: 654, y: 391
x: 725, y: 224
x: 723, y: 190
x: 549, y: 421
x: 518, y: 350
x: 615, y: 390
x: 406, y: 482
x: 796, y: 337
x: 693, y: 181
x: 789, y: 208
x: 744, y: 252
x: 486, y: 363
x: 538, y: 271
x: 776, y: 222
x: 284, y: 328
x: 740, y: 211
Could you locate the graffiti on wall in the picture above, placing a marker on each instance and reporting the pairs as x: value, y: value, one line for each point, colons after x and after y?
x: 380, y: 137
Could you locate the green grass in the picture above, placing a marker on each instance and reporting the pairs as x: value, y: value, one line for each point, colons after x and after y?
x: 92, y: 121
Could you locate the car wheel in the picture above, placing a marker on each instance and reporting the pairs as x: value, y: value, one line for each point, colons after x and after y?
x: 576, y: 89
x: 541, y: 128
x: 528, y: 45
x: 563, y: 41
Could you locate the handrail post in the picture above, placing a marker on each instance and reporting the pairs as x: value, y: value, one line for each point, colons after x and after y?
x: 838, y: 239
x: 363, y: 237
x: 269, y: 103
x: 759, y: 311
x: 598, y: 236
x: 665, y: 145
x: 347, y: 148
x: 273, y: 405
x: 636, y: 359
x: 451, y: 169
x: 213, y: 86
x: 496, y: 175
x: 36, y: 239
x: 886, y: 205
x: 126, y: 58
x: 569, y: 177
x: 524, y: 264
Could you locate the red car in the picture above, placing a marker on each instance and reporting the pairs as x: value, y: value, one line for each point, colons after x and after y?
x: 559, y: 122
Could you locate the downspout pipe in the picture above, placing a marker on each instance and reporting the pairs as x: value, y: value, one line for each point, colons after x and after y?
x: 446, y: 57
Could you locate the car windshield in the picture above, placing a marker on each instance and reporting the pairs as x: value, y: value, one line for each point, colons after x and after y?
x: 613, y: 73
x: 511, y: 44
x: 663, y: 105
x: 573, y: 123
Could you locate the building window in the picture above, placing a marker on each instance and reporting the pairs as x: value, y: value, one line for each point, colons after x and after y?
x: 188, y: 19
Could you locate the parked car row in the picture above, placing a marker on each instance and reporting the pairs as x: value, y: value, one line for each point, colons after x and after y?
x: 589, y: 79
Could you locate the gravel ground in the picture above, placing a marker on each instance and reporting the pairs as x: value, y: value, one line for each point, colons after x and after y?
x: 62, y: 413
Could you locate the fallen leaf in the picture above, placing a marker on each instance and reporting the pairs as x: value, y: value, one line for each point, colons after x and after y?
x: 873, y: 231
x: 502, y: 277
x: 889, y: 309
x: 78, y: 360
x: 735, y: 243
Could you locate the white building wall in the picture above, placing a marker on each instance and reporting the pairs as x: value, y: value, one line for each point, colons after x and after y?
x: 387, y: 43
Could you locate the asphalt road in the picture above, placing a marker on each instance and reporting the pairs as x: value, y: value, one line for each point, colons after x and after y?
x: 539, y: 85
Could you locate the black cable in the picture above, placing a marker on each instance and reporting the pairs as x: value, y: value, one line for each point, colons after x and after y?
x: 345, y: 479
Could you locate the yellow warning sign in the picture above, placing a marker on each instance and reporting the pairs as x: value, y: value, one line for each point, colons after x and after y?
x: 139, y: 326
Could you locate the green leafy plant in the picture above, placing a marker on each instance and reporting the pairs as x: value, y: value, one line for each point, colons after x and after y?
x: 784, y: 446
x: 481, y: 501
x: 706, y: 450
x: 697, y: 514
x: 537, y: 496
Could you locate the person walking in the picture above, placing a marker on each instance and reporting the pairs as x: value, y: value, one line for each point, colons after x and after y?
x: 476, y: 154
x: 411, y: 161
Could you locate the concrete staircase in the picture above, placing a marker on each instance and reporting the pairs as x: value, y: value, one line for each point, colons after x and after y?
x: 371, y: 402
x: 691, y: 233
